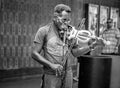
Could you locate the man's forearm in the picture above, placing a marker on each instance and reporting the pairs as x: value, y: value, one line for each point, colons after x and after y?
x: 40, y: 59
x: 80, y: 51
x: 118, y: 43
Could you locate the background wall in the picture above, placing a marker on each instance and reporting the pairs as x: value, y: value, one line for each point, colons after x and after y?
x: 19, y: 21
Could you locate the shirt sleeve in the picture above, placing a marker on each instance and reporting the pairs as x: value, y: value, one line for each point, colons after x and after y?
x: 117, y: 33
x: 40, y: 35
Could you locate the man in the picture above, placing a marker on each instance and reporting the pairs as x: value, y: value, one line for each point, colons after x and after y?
x: 113, y: 35
x: 57, y: 51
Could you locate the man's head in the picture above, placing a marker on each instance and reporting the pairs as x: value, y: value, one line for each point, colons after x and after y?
x: 62, y: 15
x: 109, y: 23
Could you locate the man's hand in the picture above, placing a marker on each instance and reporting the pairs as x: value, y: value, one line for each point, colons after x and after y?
x: 95, y: 43
x: 58, y: 68
x: 91, y: 41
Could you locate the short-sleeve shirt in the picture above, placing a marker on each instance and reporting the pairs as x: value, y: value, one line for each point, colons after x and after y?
x: 111, y: 35
x: 53, y: 47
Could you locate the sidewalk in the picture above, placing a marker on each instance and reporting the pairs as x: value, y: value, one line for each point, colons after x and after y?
x: 33, y: 82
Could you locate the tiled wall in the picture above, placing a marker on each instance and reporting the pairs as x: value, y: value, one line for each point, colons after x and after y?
x: 18, y: 25
x: 19, y: 21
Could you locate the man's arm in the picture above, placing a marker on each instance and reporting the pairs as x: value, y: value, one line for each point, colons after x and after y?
x: 118, y: 37
x: 118, y: 42
x: 80, y: 51
x: 38, y: 57
x: 37, y: 47
x: 92, y: 43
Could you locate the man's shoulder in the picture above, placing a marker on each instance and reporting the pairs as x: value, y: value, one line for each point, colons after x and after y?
x: 105, y: 31
x: 109, y: 30
x: 116, y: 29
x: 43, y: 30
x: 45, y: 27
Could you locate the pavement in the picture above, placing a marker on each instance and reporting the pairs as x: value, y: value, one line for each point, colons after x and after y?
x: 32, y: 82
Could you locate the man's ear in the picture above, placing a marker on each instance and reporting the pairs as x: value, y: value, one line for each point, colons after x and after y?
x: 55, y: 18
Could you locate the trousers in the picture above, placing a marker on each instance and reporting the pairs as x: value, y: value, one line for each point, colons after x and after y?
x: 52, y: 81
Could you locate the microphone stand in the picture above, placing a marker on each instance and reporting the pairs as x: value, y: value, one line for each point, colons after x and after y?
x: 64, y: 61
x: 64, y: 56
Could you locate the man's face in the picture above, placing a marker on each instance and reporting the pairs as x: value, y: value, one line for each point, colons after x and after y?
x: 110, y: 24
x: 63, y: 20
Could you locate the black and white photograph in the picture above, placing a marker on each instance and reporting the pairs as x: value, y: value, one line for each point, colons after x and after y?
x: 59, y: 43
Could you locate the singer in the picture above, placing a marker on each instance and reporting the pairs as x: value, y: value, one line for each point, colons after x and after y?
x: 56, y: 60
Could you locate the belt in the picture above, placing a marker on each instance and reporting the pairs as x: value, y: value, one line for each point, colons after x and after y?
x: 52, y: 72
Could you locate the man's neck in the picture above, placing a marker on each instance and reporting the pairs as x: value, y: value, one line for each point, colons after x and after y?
x: 109, y: 27
x: 57, y: 30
